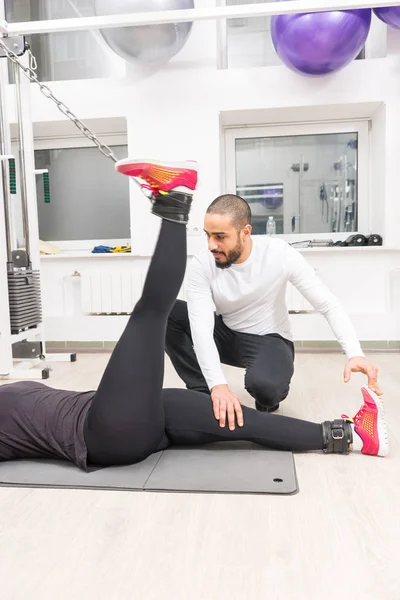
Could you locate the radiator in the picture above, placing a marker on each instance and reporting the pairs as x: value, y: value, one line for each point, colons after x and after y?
x: 113, y: 292
x: 295, y: 301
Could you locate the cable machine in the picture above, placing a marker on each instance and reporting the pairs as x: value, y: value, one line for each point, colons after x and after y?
x: 22, y: 340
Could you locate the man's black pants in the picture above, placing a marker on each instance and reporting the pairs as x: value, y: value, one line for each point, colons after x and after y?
x: 268, y: 359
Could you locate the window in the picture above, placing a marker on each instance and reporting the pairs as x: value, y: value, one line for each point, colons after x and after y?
x: 247, y: 42
x: 69, y: 55
x: 88, y: 200
x: 312, y: 179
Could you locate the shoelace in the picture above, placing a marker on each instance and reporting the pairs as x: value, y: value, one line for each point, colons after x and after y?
x: 347, y: 418
x: 357, y: 417
x: 148, y: 186
x: 356, y: 420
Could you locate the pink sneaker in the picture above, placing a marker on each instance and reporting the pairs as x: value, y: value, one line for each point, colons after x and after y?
x: 370, y: 425
x: 160, y: 177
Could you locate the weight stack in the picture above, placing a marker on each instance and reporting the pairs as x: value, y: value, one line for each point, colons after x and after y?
x: 25, y: 299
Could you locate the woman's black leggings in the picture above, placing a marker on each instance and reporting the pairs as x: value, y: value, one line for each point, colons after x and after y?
x: 132, y: 416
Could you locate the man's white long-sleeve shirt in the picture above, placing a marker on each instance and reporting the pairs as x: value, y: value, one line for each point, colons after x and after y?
x: 251, y: 298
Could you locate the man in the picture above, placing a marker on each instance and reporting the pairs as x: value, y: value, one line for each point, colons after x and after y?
x: 245, y: 278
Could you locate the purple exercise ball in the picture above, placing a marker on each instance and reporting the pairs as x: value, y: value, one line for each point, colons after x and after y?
x: 389, y: 15
x: 272, y: 198
x: 320, y: 43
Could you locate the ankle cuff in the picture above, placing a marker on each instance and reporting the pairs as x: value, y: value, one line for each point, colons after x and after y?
x: 174, y: 206
x: 338, y: 436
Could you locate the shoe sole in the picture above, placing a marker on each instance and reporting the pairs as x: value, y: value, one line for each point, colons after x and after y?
x: 185, y: 165
x: 382, y: 427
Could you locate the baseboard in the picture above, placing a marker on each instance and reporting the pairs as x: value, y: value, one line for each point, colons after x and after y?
x: 332, y: 346
x: 300, y: 345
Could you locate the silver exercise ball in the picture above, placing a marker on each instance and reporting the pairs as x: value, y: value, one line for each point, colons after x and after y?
x: 147, y: 44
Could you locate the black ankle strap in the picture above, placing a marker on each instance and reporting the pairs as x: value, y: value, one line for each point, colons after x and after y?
x: 181, y: 196
x: 338, y: 436
x: 174, y: 199
x: 174, y: 206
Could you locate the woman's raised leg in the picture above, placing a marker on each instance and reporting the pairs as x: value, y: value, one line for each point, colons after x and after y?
x: 126, y: 420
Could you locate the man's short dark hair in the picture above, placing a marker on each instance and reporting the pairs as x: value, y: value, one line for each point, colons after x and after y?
x: 234, y: 206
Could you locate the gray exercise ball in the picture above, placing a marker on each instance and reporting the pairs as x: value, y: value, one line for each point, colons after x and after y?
x: 147, y: 44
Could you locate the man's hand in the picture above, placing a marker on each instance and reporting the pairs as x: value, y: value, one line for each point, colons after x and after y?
x: 226, y: 403
x: 358, y: 364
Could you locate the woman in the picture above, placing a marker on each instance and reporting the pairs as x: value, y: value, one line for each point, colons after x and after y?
x: 131, y: 416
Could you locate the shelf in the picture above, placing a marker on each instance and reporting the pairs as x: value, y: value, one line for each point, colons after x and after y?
x: 87, y: 254
x: 343, y: 249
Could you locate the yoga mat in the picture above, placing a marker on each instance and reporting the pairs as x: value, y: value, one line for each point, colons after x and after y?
x: 236, y: 468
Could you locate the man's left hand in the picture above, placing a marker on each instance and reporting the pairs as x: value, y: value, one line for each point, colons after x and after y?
x: 359, y: 364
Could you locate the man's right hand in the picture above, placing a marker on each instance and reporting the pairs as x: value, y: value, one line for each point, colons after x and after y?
x: 226, y: 405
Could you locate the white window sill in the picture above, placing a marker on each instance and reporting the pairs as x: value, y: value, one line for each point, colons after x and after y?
x: 349, y: 249
x: 86, y: 254
x: 331, y: 249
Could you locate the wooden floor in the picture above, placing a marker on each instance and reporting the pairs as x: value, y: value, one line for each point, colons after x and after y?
x: 338, y: 538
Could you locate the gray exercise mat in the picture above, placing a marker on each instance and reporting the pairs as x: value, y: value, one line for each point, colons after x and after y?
x: 222, y: 469
x: 216, y: 468
x: 63, y: 474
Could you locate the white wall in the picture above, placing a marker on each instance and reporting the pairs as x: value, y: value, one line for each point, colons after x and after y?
x: 175, y: 113
x: 373, y: 308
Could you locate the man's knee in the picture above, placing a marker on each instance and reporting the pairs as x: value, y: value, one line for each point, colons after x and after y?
x: 179, y: 313
x: 265, y: 391
x: 178, y: 328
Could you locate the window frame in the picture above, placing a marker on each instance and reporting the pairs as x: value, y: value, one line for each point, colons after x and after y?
x: 361, y: 127
x: 69, y: 142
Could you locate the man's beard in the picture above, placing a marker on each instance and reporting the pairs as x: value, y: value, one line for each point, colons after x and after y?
x: 231, y: 258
